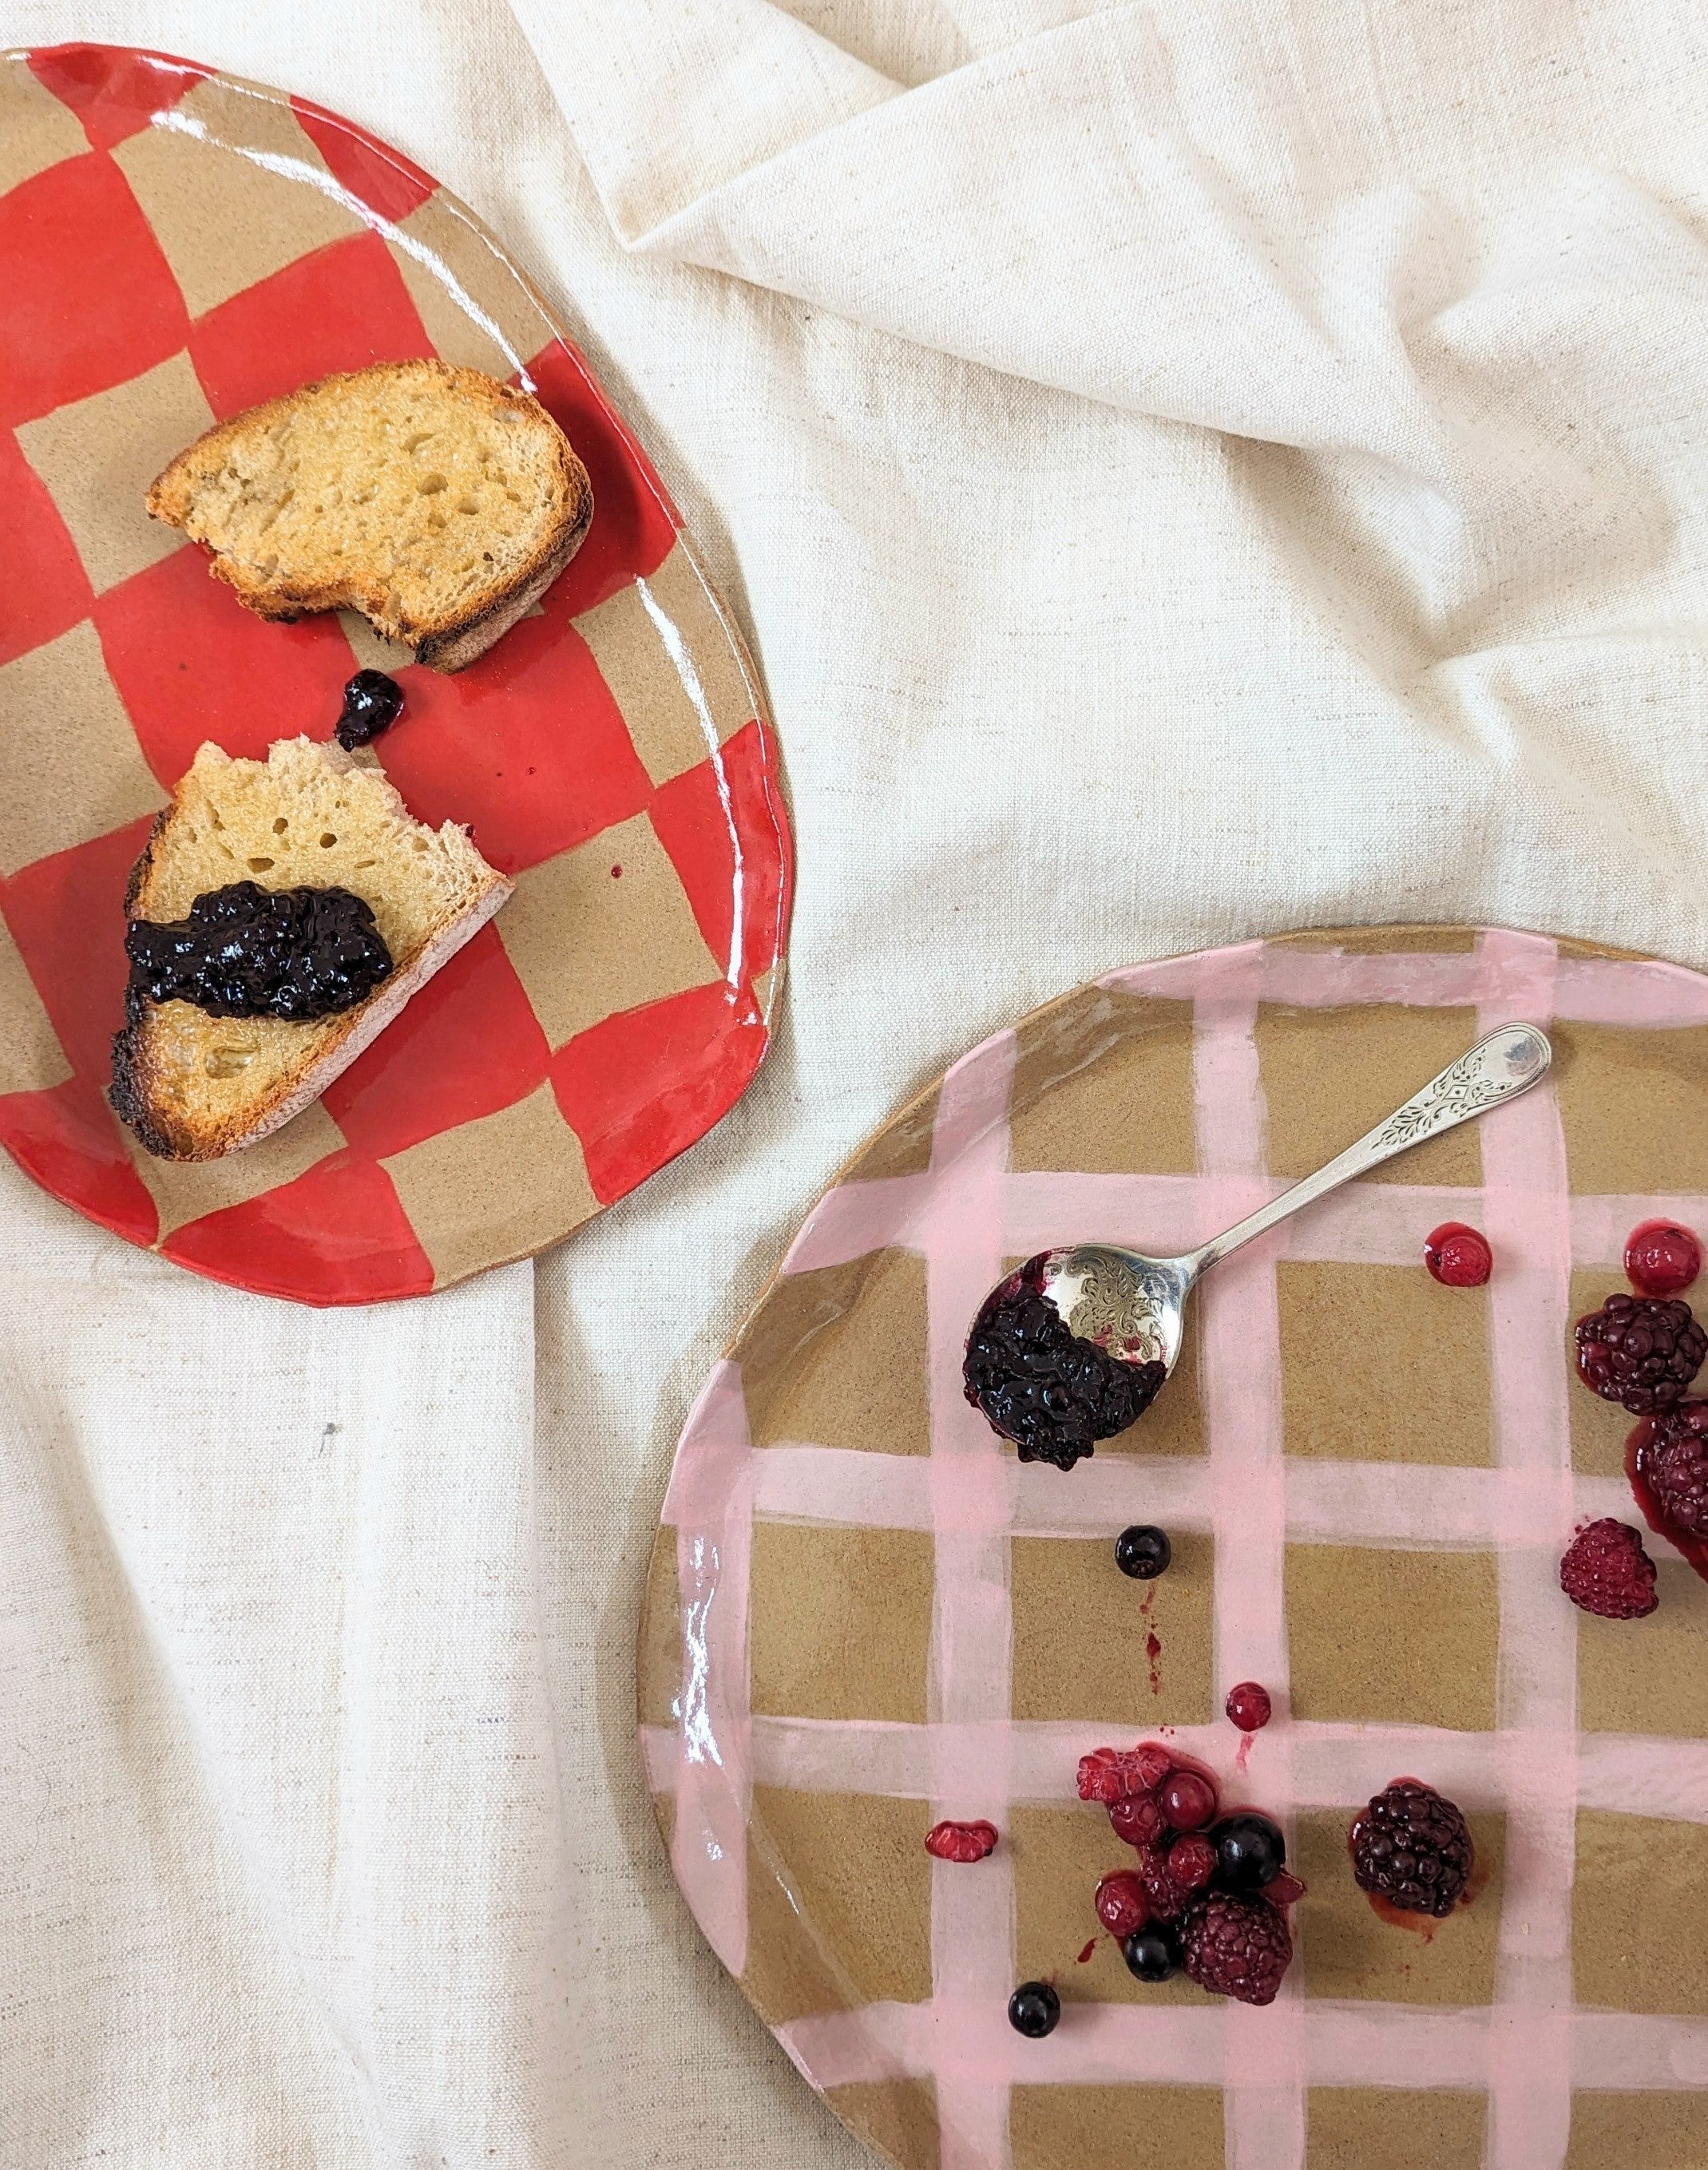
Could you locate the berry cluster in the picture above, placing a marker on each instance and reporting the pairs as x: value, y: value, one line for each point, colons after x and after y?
x: 1643, y: 1351
x: 1207, y: 1895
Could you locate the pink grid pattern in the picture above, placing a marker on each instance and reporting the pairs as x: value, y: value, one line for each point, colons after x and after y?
x: 1527, y: 2051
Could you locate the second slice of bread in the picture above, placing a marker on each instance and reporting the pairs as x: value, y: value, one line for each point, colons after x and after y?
x: 194, y: 1087
x: 437, y: 501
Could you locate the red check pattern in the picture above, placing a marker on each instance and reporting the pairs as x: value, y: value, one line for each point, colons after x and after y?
x: 619, y: 1005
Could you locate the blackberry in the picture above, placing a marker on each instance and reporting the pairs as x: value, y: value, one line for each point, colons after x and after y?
x: 1236, y: 1945
x: 1412, y: 1848
x: 247, y: 952
x: 1040, y: 1385
x: 1143, y: 1552
x: 1153, y: 1953
x: 373, y: 704
x: 1606, y: 1571
x: 1672, y: 1461
x: 1034, y: 2009
x: 1641, y: 1350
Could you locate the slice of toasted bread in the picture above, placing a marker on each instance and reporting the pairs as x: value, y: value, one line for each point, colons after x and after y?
x: 194, y: 1087
x: 437, y: 501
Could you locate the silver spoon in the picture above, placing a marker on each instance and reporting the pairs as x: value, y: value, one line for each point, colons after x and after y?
x: 1131, y: 1308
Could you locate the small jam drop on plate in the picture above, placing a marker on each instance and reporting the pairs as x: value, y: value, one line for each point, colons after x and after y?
x: 1661, y: 1258
x: 372, y: 702
x: 1459, y: 1257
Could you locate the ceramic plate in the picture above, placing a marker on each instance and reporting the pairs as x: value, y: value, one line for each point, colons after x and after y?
x: 863, y: 1614
x: 174, y: 246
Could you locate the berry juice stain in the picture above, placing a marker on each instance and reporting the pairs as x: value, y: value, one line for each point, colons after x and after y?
x: 1152, y: 1645
x: 1087, y: 1953
x: 1242, y: 1754
x: 1661, y: 1258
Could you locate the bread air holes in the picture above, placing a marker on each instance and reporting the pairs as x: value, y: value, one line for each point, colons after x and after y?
x: 328, y: 840
x: 228, y: 1061
x: 430, y: 485
x: 260, y: 866
x: 282, y: 823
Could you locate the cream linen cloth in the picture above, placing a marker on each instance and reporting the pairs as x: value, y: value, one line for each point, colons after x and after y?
x: 1187, y: 469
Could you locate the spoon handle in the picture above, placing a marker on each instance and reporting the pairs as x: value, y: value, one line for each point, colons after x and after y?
x: 1498, y: 1069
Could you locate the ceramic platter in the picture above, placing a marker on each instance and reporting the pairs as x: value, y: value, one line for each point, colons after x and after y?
x: 174, y: 246
x: 863, y: 1614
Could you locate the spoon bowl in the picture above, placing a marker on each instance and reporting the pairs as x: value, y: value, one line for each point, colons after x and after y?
x: 1075, y: 1346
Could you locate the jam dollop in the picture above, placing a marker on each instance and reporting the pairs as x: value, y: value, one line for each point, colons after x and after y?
x: 372, y: 702
x: 1039, y: 1384
x: 248, y: 951
x: 1662, y: 1258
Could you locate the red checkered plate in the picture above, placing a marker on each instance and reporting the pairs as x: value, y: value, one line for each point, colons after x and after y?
x: 863, y: 1613
x: 174, y: 246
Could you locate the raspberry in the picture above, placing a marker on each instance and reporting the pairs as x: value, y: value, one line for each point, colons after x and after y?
x: 1116, y: 1774
x: 1188, y: 1801
x: 1412, y: 1848
x: 1237, y: 1946
x: 1641, y: 1351
x: 1606, y: 1570
x: 1673, y: 1463
x: 1248, y: 1706
x: 1137, y: 1821
x: 1122, y: 1905
x: 1168, y: 1898
x: 1040, y: 1385
x: 1191, y: 1862
x: 952, y: 1841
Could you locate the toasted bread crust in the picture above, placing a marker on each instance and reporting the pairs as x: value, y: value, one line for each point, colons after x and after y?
x: 449, y: 642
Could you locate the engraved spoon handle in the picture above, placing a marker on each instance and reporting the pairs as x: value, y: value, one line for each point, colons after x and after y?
x: 1498, y: 1069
